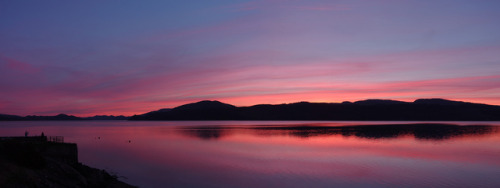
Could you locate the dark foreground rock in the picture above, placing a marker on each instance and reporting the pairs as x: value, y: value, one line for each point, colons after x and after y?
x: 33, y: 162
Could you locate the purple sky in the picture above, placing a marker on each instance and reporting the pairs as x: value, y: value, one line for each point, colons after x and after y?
x: 130, y: 57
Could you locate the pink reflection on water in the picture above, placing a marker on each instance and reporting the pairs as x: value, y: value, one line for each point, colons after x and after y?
x: 242, y: 155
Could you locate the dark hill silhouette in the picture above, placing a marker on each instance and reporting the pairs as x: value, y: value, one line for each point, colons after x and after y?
x: 63, y: 117
x: 378, y: 102
x: 203, y: 110
x: 6, y: 117
x: 204, y: 105
x: 105, y: 117
x: 441, y: 102
x: 373, y: 109
x: 57, y: 117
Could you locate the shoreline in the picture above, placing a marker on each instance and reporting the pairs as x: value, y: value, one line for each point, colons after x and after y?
x: 36, y: 161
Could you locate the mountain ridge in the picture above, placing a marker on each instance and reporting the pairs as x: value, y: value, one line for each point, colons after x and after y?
x: 59, y: 117
x: 432, y: 109
x: 428, y: 109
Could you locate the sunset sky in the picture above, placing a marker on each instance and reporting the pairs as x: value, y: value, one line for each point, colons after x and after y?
x: 130, y: 57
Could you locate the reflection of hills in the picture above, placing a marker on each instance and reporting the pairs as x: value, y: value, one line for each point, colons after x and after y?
x: 419, y: 131
x: 206, y: 133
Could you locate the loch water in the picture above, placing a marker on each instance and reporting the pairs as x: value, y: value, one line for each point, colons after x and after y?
x: 283, y: 153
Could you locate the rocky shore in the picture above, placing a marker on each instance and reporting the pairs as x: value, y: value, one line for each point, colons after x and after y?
x: 39, y: 162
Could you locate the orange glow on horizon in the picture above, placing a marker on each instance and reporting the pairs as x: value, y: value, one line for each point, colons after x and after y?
x: 269, y: 99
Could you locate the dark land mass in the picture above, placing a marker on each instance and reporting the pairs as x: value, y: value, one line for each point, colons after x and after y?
x: 104, y: 117
x: 36, y: 162
x: 434, y: 132
x: 6, y: 117
x: 51, y: 118
x: 383, y: 110
x: 60, y: 117
x: 374, y: 109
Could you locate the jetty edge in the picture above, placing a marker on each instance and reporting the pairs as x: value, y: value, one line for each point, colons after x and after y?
x: 41, y: 161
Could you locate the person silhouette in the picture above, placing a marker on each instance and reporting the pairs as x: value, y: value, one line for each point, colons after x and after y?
x: 43, y: 137
x: 26, y: 133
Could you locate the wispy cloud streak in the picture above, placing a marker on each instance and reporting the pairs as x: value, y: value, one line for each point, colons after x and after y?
x: 244, y: 53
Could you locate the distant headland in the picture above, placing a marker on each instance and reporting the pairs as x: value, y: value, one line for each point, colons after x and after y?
x: 372, y: 109
x: 365, y: 110
x: 60, y: 117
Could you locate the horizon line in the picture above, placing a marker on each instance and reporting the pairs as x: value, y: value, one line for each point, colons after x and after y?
x: 215, y: 100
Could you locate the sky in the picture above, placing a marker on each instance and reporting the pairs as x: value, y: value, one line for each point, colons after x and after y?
x: 129, y: 57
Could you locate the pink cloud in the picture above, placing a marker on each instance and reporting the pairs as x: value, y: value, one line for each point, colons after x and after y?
x: 251, y: 77
x: 20, y: 66
x: 138, y: 91
x: 325, y: 7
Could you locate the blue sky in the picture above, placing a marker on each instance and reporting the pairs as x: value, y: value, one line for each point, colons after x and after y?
x: 130, y: 57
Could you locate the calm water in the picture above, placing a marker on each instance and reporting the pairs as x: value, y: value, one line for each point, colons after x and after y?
x: 284, y: 154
